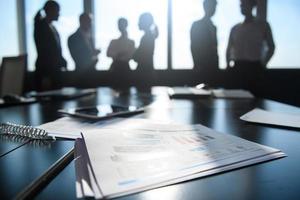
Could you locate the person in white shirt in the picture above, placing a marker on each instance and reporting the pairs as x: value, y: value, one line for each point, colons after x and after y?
x: 250, y: 48
x: 122, y: 49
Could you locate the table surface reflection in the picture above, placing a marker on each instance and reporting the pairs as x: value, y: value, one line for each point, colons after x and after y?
x: 22, y: 162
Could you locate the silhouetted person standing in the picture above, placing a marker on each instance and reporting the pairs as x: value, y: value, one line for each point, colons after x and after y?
x: 81, y: 45
x: 250, y: 48
x: 144, y: 53
x: 50, y: 61
x: 122, y: 49
x: 204, y: 43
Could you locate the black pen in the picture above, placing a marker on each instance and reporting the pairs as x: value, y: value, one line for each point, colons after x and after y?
x: 37, y: 185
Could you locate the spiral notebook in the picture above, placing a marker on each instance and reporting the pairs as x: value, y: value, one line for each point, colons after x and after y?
x: 23, y: 131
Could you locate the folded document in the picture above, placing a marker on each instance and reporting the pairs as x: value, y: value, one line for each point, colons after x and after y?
x: 125, y: 160
x: 274, y: 118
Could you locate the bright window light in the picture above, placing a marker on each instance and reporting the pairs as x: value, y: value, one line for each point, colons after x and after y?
x: 284, y: 18
x: 8, y: 33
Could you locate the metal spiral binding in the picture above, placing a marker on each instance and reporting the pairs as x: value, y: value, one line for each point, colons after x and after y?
x: 41, y: 143
x: 24, y: 131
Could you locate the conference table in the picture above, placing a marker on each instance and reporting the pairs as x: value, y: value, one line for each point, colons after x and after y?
x: 22, y: 161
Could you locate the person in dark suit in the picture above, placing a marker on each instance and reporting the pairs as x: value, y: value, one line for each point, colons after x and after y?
x: 50, y: 61
x: 81, y: 45
x: 144, y: 53
x: 204, y: 43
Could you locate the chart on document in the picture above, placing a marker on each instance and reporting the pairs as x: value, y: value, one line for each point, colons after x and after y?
x: 136, y: 159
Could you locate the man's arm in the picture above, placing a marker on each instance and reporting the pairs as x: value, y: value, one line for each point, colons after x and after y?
x: 193, y: 37
x: 74, y: 50
x: 111, y: 50
x: 270, y: 44
x: 229, y: 49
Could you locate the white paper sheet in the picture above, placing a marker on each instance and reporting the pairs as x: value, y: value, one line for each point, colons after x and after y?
x: 274, y: 118
x: 67, y: 127
x: 188, y: 91
x: 71, y: 128
x: 129, y: 161
x: 236, y: 94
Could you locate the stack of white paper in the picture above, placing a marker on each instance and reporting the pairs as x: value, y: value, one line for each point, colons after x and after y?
x: 71, y: 128
x: 121, y: 160
x: 188, y: 91
x: 217, y: 93
x: 236, y: 94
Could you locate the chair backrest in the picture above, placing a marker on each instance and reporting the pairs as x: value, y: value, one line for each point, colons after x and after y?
x: 12, y: 75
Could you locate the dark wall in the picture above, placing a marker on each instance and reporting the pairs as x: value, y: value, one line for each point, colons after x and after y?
x: 283, y: 86
x: 279, y: 84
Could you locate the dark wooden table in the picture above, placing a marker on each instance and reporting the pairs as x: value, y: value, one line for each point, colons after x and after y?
x: 21, y: 162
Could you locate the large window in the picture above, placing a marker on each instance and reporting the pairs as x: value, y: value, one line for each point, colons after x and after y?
x: 8, y: 34
x: 66, y: 25
x: 183, y: 15
x: 282, y: 15
x: 106, y: 17
x: 284, y: 18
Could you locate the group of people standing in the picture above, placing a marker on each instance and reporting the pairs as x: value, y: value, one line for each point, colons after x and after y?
x: 249, y: 49
x: 250, y: 46
x: 50, y: 62
x: 123, y: 49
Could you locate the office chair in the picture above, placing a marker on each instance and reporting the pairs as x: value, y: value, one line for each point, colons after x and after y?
x: 12, y: 75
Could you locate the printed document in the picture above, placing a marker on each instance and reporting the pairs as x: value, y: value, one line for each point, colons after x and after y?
x: 124, y: 161
x: 235, y: 94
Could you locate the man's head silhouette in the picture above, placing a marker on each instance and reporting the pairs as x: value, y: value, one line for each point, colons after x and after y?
x: 122, y: 25
x: 209, y: 7
x: 85, y: 21
x: 247, y: 7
